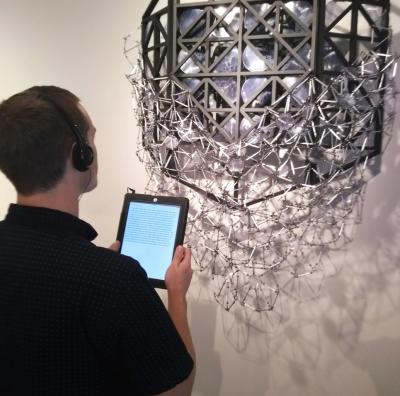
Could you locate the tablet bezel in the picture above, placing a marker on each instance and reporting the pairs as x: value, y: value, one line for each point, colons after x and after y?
x: 183, y: 204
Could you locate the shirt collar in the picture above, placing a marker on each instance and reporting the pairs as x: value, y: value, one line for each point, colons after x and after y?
x: 50, y: 220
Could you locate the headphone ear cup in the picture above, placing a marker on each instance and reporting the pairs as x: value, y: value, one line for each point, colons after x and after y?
x: 82, y: 157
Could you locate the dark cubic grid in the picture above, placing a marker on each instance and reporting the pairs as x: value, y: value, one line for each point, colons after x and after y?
x: 247, y: 66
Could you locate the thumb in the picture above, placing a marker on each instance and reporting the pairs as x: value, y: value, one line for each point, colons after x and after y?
x: 115, y: 246
x: 179, y: 252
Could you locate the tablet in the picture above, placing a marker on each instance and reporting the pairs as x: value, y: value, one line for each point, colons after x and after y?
x: 150, y: 229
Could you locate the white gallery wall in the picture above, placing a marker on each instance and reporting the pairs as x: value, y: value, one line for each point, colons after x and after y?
x: 345, y: 341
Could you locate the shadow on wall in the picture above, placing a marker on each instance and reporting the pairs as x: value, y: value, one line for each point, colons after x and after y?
x: 382, y: 194
x: 395, y: 9
x: 364, y: 300
x: 368, y: 296
x: 356, y: 304
x: 363, y: 296
x: 209, y: 371
x: 380, y: 358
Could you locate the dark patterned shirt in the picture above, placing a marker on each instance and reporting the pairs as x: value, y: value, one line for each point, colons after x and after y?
x: 77, y: 319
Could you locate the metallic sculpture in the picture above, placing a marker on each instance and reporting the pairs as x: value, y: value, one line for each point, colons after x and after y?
x: 270, y: 116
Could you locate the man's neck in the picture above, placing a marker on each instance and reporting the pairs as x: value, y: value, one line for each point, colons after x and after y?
x: 58, y: 199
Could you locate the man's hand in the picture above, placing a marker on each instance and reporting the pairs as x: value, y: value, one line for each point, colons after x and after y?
x: 115, y: 246
x: 179, y: 273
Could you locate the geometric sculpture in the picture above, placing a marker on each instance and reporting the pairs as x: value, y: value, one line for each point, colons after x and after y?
x: 267, y: 115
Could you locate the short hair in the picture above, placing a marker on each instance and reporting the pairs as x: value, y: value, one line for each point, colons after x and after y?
x: 35, y: 138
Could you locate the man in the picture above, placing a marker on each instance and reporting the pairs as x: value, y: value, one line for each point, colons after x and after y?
x: 76, y: 319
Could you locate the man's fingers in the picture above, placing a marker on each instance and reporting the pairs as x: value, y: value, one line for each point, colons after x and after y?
x: 115, y: 246
x: 179, y: 252
x: 179, y: 273
x: 188, y: 254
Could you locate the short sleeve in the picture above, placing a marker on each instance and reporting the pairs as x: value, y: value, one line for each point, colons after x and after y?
x: 140, y: 339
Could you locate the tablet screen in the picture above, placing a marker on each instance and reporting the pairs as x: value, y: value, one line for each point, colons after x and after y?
x: 150, y: 234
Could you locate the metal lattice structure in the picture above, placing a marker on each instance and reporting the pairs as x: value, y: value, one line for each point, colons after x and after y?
x: 267, y: 114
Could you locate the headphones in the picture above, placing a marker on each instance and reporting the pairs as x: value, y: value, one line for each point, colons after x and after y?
x: 82, y: 153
